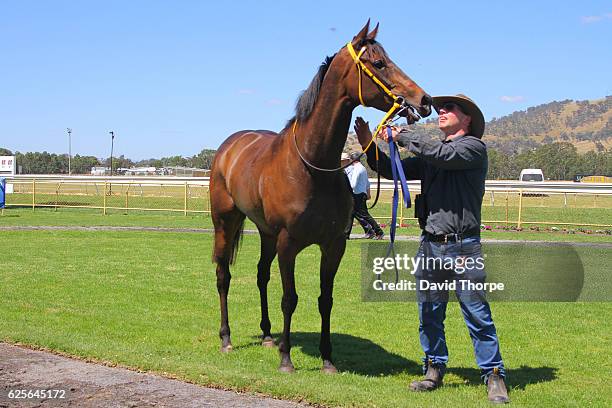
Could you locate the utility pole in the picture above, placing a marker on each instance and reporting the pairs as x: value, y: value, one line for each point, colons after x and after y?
x: 69, y: 150
x: 112, y: 143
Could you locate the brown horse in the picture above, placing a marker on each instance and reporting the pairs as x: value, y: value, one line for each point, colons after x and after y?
x: 279, y: 182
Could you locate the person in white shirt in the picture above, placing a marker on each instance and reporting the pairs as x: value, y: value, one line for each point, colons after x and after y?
x: 358, y: 177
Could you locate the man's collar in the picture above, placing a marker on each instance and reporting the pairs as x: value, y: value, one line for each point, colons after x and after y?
x: 455, y: 138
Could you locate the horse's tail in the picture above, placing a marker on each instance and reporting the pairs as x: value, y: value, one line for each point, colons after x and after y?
x: 237, y: 242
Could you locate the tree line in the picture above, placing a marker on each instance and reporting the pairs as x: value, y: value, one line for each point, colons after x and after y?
x: 558, y: 161
x: 51, y: 163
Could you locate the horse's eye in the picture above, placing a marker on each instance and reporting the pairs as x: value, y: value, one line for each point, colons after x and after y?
x: 379, y: 64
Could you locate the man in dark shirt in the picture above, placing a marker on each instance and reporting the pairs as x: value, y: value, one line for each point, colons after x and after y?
x: 452, y: 174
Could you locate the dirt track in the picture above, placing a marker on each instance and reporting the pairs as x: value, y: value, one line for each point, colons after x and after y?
x: 93, y: 385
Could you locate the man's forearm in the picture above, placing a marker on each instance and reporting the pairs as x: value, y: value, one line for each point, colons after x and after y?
x: 384, y: 164
x: 466, y: 153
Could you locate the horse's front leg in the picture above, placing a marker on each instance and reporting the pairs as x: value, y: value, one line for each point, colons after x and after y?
x: 331, y: 255
x: 287, y: 251
x: 268, y: 252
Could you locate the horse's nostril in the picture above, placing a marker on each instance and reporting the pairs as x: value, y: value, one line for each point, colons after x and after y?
x: 426, y: 101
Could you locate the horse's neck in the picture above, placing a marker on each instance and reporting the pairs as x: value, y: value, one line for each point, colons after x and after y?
x: 322, y: 136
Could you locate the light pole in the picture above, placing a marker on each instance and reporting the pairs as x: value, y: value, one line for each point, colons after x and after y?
x: 112, y: 143
x: 69, y: 150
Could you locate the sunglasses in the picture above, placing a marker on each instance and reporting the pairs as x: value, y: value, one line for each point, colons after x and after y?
x: 450, y: 106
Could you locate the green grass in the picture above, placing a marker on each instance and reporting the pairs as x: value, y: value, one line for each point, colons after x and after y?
x: 91, y: 217
x: 148, y: 300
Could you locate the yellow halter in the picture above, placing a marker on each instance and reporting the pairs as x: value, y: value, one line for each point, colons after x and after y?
x: 361, y: 67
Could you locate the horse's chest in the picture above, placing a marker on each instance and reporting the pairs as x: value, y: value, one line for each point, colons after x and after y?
x: 325, y: 214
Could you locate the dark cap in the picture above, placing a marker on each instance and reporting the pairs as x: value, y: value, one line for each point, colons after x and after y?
x: 356, y: 156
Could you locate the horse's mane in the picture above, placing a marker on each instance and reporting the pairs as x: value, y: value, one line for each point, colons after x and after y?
x: 307, y: 99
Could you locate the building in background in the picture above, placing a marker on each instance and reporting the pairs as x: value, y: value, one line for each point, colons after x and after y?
x: 100, y: 171
x: 139, y: 171
x: 152, y: 171
x: 8, y: 165
x: 184, y: 171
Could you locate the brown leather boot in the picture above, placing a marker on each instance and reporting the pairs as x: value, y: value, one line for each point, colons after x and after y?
x: 498, y: 394
x: 432, y: 380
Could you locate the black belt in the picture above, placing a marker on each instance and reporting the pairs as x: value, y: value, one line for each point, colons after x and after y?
x: 451, y: 237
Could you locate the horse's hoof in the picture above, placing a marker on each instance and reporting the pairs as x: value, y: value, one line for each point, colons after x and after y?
x: 286, y: 369
x: 329, y: 368
x: 268, y: 342
x: 226, y: 349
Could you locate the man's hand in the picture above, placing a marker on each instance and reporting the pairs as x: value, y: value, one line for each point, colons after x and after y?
x: 362, y: 128
x: 382, y: 133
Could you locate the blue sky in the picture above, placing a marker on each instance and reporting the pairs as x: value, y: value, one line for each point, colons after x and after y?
x: 172, y: 78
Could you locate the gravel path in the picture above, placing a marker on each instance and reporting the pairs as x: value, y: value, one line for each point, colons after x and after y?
x: 93, y: 385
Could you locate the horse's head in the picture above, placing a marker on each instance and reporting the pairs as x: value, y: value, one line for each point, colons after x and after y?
x: 362, y: 86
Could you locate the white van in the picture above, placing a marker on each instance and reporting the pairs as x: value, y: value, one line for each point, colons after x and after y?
x: 531, y: 175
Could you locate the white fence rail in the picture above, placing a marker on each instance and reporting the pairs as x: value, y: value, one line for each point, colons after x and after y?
x: 490, y: 185
x: 506, y: 202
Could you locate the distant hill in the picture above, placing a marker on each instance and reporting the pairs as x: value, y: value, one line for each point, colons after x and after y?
x: 585, y: 124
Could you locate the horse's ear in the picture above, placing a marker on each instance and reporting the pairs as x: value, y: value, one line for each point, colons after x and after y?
x: 373, y: 33
x: 362, y: 35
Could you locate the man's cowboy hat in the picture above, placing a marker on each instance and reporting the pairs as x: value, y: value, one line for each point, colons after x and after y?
x: 468, y: 106
x: 345, y: 156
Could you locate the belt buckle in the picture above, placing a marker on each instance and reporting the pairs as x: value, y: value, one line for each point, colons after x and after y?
x: 457, y: 237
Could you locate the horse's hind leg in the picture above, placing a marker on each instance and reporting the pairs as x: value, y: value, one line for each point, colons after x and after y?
x: 228, y: 226
x: 268, y: 252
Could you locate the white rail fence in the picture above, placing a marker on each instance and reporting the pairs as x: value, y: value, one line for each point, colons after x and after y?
x: 507, y: 202
x: 491, y: 185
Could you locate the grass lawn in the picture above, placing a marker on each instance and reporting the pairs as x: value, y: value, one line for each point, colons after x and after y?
x: 148, y: 300
x: 90, y: 217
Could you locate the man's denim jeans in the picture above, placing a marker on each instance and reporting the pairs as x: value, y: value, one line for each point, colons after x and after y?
x: 475, y: 308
